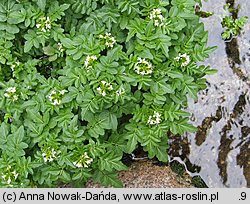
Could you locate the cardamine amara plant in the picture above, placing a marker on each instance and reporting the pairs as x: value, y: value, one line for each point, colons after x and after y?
x: 84, y: 81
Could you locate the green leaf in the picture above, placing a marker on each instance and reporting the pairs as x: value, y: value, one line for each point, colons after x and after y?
x: 172, y: 112
x: 65, y: 176
x: 88, y: 105
x: 68, y: 43
x: 134, y: 26
x: 173, y: 11
x: 109, y: 162
x: 181, y: 126
x: 16, y: 17
x: 3, y: 17
x: 36, y: 129
x: 41, y: 4
x: 11, y: 28
x: 27, y: 46
x: 162, y: 153
x: 163, y: 42
x: 69, y: 96
x: 56, y: 11
x: 4, y: 131
x: 31, y: 40
x: 64, y: 117
x: 111, y: 120
x: 15, y: 145
x: 191, y: 89
x: 175, y: 74
x: 132, y: 142
x: 35, y: 116
x: 161, y: 86
x: 107, y: 179
x: 49, y: 50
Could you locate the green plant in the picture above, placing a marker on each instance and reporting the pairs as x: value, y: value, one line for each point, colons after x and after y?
x: 83, y: 82
x: 232, y: 25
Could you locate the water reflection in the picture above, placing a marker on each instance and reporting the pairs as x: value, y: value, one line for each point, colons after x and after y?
x: 221, y: 147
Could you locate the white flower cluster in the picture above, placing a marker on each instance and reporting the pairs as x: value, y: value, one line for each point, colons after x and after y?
x: 49, y: 154
x: 44, y: 24
x: 9, y: 175
x: 120, y: 92
x: 83, y: 161
x: 104, y: 88
x: 109, y: 39
x: 154, y: 119
x: 55, y: 97
x: 14, y: 65
x: 157, y: 17
x: 60, y: 47
x: 90, y: 61
x: 143, y: 67
x: 184, y: 59
x: 11, y: 93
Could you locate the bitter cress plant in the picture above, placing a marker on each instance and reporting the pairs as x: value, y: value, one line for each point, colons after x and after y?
x: 84, y: 81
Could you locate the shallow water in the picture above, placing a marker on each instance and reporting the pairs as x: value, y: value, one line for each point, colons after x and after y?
x: 220, y: 150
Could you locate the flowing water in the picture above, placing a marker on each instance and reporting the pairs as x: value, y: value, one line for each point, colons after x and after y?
x: 220, y: 150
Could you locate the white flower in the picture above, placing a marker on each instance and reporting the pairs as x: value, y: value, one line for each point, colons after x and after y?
x: 47, y: 24
x: 101, y: 91
x: 14, y: 65
x: 15, y: 174
x: 7, y: 95
x: 11, y: 93
x: 154, y: 119
x: 3, y: 176
x: 109, y: 87
x: 49, y: 154
x: 156, y: 23
x: 55, y: 97
x: 157, y: 17
x: 62, y: 92
x: 44, y: 24
x: 53, y: 92
x: 103, y: 82
x: 11, y: 89
x: 60, y: 47
x: 120, y: 92
x: 109, y: 39
x: 83, y: 161
x: 183, y: 58
x: 143, y: 67
x: 90, y: 61
x: 44, y: 30
x: 104, y: 88
x: 15, y: 98
x: 9, y: 180
x: 56, y: 102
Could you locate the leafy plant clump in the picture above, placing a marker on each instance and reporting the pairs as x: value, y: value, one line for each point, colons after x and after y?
x: 83, y: 82
x: 232, y: 24
x: 233, y: 27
